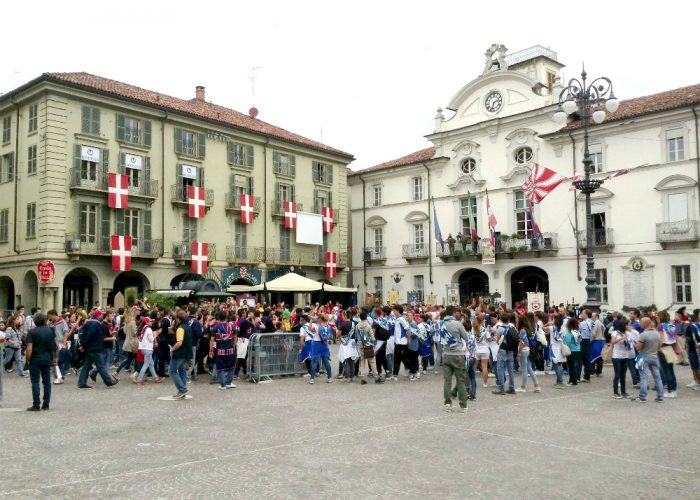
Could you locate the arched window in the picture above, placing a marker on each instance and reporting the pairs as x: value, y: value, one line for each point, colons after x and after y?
x: 468, y: 165
x: 523, y: 156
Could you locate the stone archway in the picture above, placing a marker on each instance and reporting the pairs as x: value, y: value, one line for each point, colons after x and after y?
x: 80, y: 288
x: 473, y: 282
x: 7, y: 294
x: 126, y: 280
x: 30, y: 290
x: 528, y: 279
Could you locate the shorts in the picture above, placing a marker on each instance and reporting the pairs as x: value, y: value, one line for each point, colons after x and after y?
x: 693, y: 358
x: 483, y: 355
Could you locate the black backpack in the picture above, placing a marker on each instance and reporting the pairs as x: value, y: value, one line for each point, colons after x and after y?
x: 512, y: 340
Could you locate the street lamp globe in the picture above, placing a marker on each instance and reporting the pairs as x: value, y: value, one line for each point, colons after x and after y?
x: 598, y: 116
x: 559, y: 117
x: 612, y: 104
x: 569, y: 106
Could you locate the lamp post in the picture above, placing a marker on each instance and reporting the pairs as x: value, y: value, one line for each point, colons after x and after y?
x: 590, y: 101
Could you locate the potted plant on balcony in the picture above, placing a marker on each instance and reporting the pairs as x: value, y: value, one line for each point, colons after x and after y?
x: 475, y: 244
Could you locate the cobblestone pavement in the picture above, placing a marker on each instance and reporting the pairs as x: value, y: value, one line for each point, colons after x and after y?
x: 289, y: 439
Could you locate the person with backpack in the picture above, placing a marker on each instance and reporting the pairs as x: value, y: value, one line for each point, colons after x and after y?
x: 555, y: 345
x: 508, y: 341
x: 180, y: 354
x: 524, y: 348
x: 572, y: 340
x: 380, y: 326
x: 692, y: 341
x: 453, y: 337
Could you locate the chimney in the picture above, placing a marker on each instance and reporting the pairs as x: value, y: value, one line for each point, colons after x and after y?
x: 199, y: 93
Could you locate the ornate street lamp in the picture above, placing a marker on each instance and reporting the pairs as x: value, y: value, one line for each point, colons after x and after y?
x: 590, y: 101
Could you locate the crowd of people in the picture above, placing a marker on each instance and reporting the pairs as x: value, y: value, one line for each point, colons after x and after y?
x: 153, y: 342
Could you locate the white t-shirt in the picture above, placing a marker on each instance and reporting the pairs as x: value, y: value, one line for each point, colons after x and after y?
x: 482, y: 340
x: 146, y: 341
x: 620, y: 350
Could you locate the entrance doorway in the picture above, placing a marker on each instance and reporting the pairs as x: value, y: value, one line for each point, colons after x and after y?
x: 78, y: 288
x: 30, y: 290
x: 7, y: 295
x: 472, y: 283
x: 528, y: 279
x: 129, y: 279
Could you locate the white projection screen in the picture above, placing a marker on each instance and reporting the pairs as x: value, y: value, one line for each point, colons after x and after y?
x: 309, y: 229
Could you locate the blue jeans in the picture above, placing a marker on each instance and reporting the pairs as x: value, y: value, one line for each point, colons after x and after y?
x: 225, y: 377
x: 633, y: 371
x: 620, y: 367
x: 471, y: 374
x: 326, y: 366
x: 147, y: 365
x: 438, y: 354
x: 526, y: 368
x: 17, y: 354
x: 505, y: 361
x: 667, y: 374
x: 651, y: 364
x: 178, y: 374
x: 559, y: 371
x: 104, y: 356
x: 43, y: 371
x: 390, y: 363
x: 98, y: 359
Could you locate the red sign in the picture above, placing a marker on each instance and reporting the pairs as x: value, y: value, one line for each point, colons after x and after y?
x: 46, y: 271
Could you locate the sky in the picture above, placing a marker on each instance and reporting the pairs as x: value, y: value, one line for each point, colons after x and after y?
x: 365, y: 77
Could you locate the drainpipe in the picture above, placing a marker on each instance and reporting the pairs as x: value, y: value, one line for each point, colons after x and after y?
x: 578, y: 250
x: 15, y: 162
x: 162, y: 182
x: 430, y: 231
x: 267, y: 141
x: 364, y: 230
x: 697, y: 153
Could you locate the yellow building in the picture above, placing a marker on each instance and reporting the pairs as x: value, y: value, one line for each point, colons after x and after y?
x: 62, y: 133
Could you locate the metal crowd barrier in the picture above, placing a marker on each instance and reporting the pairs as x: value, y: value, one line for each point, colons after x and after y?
x: 271, y: 354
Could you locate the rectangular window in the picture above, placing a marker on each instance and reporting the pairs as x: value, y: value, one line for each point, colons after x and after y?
x: 284, y: 164
x: 7, y: 167
x: 595, y: 152
x: 322, y: 172
x: 242, y: 184
x: 131, y: 225
x: 33, y: 118
x: 601, y: 278
x: 523, y: 224
x: 6, y: 130
x: 31, y: 220
x: 377, y: 199
x: 675, y: 149
x: 90, y: 120
x: 190, y: 143
x: 468, y: 215
x: 240, y: 155
x: 31, y: 160
x: 189, y: 229
x: 418, y: 236
x: 417, y: 188
x: 285, y: 244
x: 4, y: 225
x: 132, y: 130
x: 240, y: 235
x: 378, y: 285
x: 418, y: 286
x: 378, y: 239
x: 87, y: 222
x: 322, y: 199
x: 133, y: 167
x: 681, y: 284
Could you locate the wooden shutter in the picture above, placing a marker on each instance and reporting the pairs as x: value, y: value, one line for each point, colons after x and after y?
x: 230, y: 148
x: 105, y: 160
x: 330, y: 173
x: 314, y: 171
x: 95, y: 121
x: 86, y: 120
x: 104, y: 233
x: 120, y: 223
x: 201, y: 145
x: 292, y: 165
x: 317, y: 207
x: 278, y: 196
x: 200, y: 177
x: 121, y: 128
x: 275, y: 162
x: 293, y: 193
x: 330, y: 199
x: 147, y: 173
x: 250, y: 185
x: 121, y: 168
x: 179, y: 182
x: 250, y: 156
x: 147, y: 133
x: 77, y: 164
x: 11, y: 167
x: 178, y: 140
x: 147, y: 226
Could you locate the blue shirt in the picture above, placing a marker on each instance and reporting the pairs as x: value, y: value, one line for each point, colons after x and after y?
x: 586, y: 329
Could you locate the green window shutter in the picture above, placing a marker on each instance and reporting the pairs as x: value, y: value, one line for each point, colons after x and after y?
x: 250, y: 185
x: 202, y: 145
x: 330, y: 199
x: 77, y: 164
x: 104, y: 233
x: 314, y: 172
x: 147, y: 171
x: 294, y: 193
x: 121, y: 129
x: 95, y: 121
x: 199, y: 182
x: 86, y: 120
x: 178, y: 140
x: 105, y: 159
x: 278, y: 193
x: 275, y: 161
x: 330, y: 174
x: 147, y: 133
x: 317, y: 207
x: 230, y: 146
x: 292, y: 165
x: 250, y: 154
x: 147, y: 225
x: 120, y: 223
x: 11, y: 167
x: 122, y: 161
x: 179, y: 180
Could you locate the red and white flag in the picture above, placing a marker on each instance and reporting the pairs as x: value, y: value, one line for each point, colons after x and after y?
x: 290, y: 215
x: 247, y: 214
x: 327, y: 219
x: 492, y: 220
x: 577, y: 177
x: 617, y: 174
x: 195, y: 202
x: 331, y: 264
x: 117, y: 191
x: 200, y: 257
x: 540, y: 183
x: 121, y: 253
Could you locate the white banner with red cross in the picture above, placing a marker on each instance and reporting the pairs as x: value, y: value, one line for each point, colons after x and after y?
x: 200, y: 257
x: 121, y: 253
x: 117, y: 191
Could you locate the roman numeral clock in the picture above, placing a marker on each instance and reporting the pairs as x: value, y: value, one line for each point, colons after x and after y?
x: 493, y: 101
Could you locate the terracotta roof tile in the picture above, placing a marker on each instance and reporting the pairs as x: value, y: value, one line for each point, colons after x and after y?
x: 663, y: 101
x: 193, y: 107
x: 417, y: 157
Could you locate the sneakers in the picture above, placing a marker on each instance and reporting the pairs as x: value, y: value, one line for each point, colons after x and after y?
x: 485, y: 386
x: 491, y: 375
x: 625, y: 395
x: 448, y: 408
x: 364, y: 382
x: 617, y: 396
x: 520, y: 389
x: 58, y: 381
x: 640, y: 400
x: 570, y: 383
x: 537, y: 389
x: 141, y: 382
x: 311, y: 381
x: 671, y: 394
x: 500, y: 392
x: 179, y: 395
x: 659, y: 400
x: 33, y: 408
x: 412, y: 377
x: 692, y: 385
x: 463, y: 410
x: 158, y: 380
x: 222, y: 387
x: 510, y: 391
x: 24, y: 375
x: 329, y: 381
x: 559, y: 386
x: 231, y: 386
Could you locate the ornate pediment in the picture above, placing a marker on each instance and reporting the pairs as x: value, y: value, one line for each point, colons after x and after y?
x: 515, y: 172
x: 468, y: 180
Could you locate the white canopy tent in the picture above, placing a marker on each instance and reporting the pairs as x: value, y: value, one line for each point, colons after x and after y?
x: 290, y: 282
x: 340, y: 289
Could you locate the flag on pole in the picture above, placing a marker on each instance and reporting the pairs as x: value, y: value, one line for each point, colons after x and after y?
x: 492, y: 219
x: 472, y: 223
x: 533, y: 223
x: 438, y: 233
x: 540, y: 183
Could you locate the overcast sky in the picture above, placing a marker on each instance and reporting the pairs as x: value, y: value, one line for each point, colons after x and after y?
x: 362, y: 76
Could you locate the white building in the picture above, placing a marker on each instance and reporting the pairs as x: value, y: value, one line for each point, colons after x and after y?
x: 646, y: 222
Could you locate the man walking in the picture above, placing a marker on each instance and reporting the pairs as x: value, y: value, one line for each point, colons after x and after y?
x: 91, y: 342
x: 585, y: 328
x: 180, y: 354
x: 454, y: 358
x: 60, y: 329
x: 41, y: 356
x: 507, y: 339
x: 648, y: 359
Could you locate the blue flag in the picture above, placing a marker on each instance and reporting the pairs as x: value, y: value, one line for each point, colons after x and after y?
x: 438, y: 233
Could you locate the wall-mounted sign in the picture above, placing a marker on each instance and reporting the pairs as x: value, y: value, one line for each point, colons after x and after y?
x: 88, y: 153
x: 133, y: 161
x: 189, y: 172
x: 46, y: 271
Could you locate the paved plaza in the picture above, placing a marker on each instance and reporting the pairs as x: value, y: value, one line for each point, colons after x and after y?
x: 289, y: 439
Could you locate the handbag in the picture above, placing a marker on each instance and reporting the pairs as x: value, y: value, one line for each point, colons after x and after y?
x: 607, y: 353
x: 669, y: 354
x: 368, y: 351
x: 565, y: 350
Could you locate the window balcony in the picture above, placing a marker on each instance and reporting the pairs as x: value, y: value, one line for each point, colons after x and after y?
x: 182, y: 251
x: 282, y: 256
x: 145, y: 189
x: 336, y: 214
x: 178, y: 196
x: 77, y: 245
x: 518, y: 247
x: 602, y: 239
x: 233, y: 203
x: 374, y: 255
x: 88, y: 179
x: 244, y: 255
x: 278, y: 207
x: 679, y: 233
x: 414, y: 251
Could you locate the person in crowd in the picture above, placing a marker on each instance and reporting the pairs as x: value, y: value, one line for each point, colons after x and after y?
x: 131, y: 341
x: 526, y: 329
x: 508, y: 339
x: 305, y: 339
x: 180, y: 354
x: 454, y: 358
x: 41, y: 356
x: 556, y: 338
x: 381, y: 334
x: 60, y: 329
x: 425, y: 349
x: 13, y: 346
x: 623, y: 350
x: 648, y: 360
x: 401, y: 331
x: 367, y: 343
x: 164, y: 340
x: 585, y: 330
x: 482, y: 335
x: 348, y: 353
x: 598, y: 341
x: 414, y: 344
x: 667, y: 353
x: 146, y: 339
x: 222, y: 348
x: 92, y: 346
x: 319, y: 351
x: 572, y: 339
x: 246, y: 328
x: 692, y: 343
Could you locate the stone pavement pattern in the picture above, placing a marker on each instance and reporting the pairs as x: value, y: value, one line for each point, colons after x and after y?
x: 289, y: 439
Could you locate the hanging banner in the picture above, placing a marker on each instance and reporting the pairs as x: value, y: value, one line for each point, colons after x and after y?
x: 452, y: 294
x: 231, y: 274
x: 133, y: 161
x: 535, y: 301
x: 90, y: 154
x: 189, y: 172
x: 488, y: 253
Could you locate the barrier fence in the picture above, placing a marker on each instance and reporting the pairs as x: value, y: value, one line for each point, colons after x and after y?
x: 271, y: 354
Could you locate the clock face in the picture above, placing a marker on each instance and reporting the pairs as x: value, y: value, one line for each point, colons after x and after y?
x: 493, y: 102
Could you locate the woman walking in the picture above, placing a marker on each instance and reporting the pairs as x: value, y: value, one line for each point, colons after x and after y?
x: 13, y: 346
x: 146, y: 339
x: 526, y: 329
x: 131, y: 341
x: 483, y: 351
x: 572, y: 339
x: 555, y: 342
x: 667, y: 353
x: 319, y: 348
x: 623, y: 350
